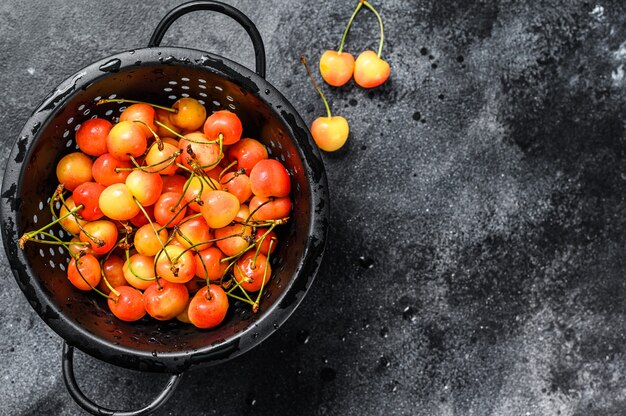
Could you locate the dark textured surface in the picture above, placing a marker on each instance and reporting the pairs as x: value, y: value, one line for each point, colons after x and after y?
x: 475, y: 258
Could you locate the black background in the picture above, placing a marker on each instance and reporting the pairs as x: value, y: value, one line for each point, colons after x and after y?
x: 475, y: 258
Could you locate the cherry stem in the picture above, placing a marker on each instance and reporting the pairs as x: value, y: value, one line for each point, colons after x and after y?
x: 157, y: 139
x: 158, y: 123
x: 123, y: 100
x: 130, y: 268
x: 308, y: 71
x: 380, y: 22
x: 345, y: 33
x: 255, y: 306
x: 29, y: 235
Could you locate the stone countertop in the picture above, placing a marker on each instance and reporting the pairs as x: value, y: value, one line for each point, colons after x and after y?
x: 475, y: 262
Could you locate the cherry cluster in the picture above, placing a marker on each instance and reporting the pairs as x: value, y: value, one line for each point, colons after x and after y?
x: 337, y: 68
x: 170, y: 213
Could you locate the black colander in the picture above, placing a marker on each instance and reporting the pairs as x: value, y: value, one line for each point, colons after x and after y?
x: 160, y: 75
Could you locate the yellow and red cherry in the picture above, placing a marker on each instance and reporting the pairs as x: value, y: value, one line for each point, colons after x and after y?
x: 208, y: 307
x: 336, y: 67
x: 84, y: 273
x: 127, y: 303
x: 74, y: 169
x: 370, y: 70
x: 331, y: 132
x: 144, y: 115
x: 164, y: 300
x: 190, y: 114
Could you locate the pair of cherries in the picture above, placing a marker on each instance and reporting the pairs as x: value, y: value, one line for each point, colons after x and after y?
x: 337, y: 67
x: 369, y: 69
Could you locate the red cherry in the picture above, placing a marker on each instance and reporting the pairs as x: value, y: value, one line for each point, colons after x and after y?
x: 270, y: 178
x: 91, y: 136
x: 128, y: 306
x: 89, y: 275
x: 247, y: 152
x: 208, y: 311
x: 225, y: 122
x: 165, y: 300
x: 251, y: 273
x: 87, y: 194
x: 105, y: 170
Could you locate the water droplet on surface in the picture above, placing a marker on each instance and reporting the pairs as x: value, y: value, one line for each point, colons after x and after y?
x: 131, y: 52
x: 255, y: 335
x: 353, y: 102
x: 328, y: 374
x: 251, y: 400
x: 409, y: 314
x: 303, y: 336
x: 275, y: 326
x: 267, y: 92
x: 366, y: 324
x: 384, y: 332
x: 111, y: 66
x: 366, y: 262
x: 417, y: 115
x: 154, y: 353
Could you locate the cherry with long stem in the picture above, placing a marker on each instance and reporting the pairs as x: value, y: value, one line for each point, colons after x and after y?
x: 370, y: 70
x: 330, y: 133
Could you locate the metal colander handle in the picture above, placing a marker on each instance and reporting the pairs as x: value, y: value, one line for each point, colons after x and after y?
x: 95, y: 409
x: 216, y: 6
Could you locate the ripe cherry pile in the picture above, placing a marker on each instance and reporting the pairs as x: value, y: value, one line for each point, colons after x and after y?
x: 170, y: 212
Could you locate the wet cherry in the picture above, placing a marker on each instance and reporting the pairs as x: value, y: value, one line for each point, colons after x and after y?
x: 213, y: 268
x: 252, y: 273
x: 247, y: 152
x: 226, y: 123
x: 117, y: 203
x: 208, y: 307
x: 84, y: 273
x: 91, y: 136
x: 112, y: 268
x: 101, y: 235
x: 165, y: 300
x: 128, y: 305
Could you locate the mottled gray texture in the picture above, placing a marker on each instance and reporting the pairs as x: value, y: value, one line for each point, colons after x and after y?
x: 483, y: 184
